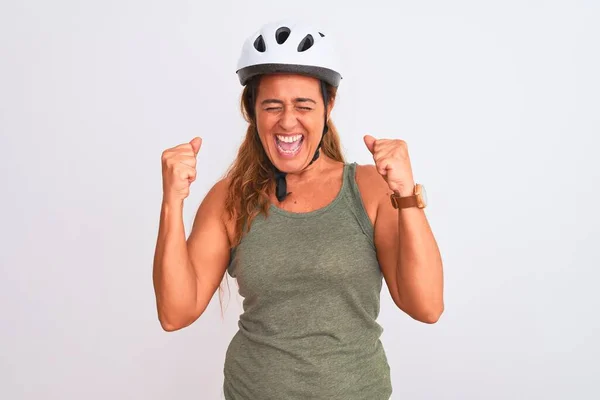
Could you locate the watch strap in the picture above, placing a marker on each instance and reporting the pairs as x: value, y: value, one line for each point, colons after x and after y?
x: 404, y: 202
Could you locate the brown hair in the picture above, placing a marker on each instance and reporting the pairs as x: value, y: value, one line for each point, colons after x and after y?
x: 251, y: 174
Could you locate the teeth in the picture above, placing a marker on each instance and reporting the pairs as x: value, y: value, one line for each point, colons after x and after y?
x: 289, y: 139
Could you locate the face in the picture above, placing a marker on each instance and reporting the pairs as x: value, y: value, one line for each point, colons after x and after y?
x: 290, y: 117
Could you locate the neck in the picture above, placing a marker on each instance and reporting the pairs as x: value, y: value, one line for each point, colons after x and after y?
x: 312, y: 172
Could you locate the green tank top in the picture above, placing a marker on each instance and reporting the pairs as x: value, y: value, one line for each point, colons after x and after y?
x: 311, y: 285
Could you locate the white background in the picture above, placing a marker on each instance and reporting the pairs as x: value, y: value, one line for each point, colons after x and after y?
x: 499, y: 104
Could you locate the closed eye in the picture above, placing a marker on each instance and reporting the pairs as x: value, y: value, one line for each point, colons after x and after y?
x: 279, y: 108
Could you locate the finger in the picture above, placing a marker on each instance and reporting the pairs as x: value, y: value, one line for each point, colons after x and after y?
x: 370, y: 143
x: 382, y: 153
x: 177, y: 151
x: 186, y: 149
x: 188, y: 160
x: 192, y: 176
x: 196, y: 144
x: 383, y: 166
x: 186, y: 173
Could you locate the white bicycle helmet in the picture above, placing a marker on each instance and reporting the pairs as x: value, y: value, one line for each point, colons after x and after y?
x: 290, y: 47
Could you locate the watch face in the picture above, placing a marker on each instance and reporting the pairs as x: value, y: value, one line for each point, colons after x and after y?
x: 423, y: 195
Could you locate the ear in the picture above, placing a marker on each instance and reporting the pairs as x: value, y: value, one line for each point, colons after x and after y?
x: 330, y: 107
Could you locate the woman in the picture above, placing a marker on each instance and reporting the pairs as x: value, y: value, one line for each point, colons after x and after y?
x: 308, y: 236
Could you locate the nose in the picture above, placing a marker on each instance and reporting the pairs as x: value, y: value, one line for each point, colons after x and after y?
x: 288, y: 119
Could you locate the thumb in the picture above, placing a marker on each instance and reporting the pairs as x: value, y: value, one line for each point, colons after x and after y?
x: 370, y: 142
x: 196, y: 143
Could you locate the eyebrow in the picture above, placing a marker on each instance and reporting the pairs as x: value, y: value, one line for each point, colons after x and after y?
x: 296, y: 100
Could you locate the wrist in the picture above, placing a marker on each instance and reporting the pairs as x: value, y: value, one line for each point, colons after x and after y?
x: 172, y: 204
x: 405, y: 191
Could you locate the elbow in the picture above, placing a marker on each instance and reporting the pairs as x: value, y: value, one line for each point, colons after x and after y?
x: 427, y: 315
x: 427, y: 312
x: 170, y: 327
x: 172, y: 323
x: 434, y: 316
x: 431, y: 318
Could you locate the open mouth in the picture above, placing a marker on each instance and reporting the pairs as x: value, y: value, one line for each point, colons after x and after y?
x: 289, y: 145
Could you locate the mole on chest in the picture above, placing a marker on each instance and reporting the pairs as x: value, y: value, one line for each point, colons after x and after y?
x: 304, y: 204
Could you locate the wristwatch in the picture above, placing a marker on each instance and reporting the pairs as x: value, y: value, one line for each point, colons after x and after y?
x: 417, y: 199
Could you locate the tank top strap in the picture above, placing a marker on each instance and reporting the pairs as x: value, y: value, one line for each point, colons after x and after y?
x: 354, y: 201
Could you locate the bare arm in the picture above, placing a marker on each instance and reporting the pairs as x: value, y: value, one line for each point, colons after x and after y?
x: 187, y: 273
x: 419, y: 269
x: 175, y: 283
x: 406, y: 250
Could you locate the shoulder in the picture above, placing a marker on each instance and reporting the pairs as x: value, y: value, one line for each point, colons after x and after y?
x: 370, y: 181
x: 215, y: 200
x: 372, y: 187
x: 218, y: 193
x: 214, y: 204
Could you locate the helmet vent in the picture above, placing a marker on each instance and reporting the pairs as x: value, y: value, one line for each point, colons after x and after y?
x: 282, y: 34
x: 321, y: 34
x: 306, y: 43
x: 259, y: 44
